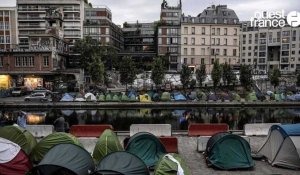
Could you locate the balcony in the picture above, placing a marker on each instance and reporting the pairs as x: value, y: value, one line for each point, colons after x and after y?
x: 26, y: 2
x: 72, y: 27
x: 68, y: 18
x: 31, y: 10
x: 72, y: 35
x: 20, y: 18
x: 71, y: 9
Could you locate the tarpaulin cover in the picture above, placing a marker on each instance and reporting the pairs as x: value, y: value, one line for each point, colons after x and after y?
x: 179, y: 96
x: 121, y: 163
x: 171, y: 164
x: 107, y: 143
x: 20, y: 136
x: 166, y: 96
x: 41, y: 149
x: 67, y: 97
x: 64, y: 159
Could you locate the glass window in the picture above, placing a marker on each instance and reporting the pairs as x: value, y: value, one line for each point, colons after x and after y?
x: 185, y: 51
x: 185, y: 30
x: 203, y: 31
x: 225, y: 31
x: 192, y: 51
x: 193, y: 41
x: 203, y: 41
x: 185, y: 40
x: 193, y: 30
x: 46, y: 61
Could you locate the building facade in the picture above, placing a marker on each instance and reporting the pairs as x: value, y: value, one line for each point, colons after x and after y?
x: 31, y: 18
x: 8, y: 28
x: 168, y: 34
x: 211, y: 36
x: 269, y: 48
x: 98, y: 24
x: 139, y: 43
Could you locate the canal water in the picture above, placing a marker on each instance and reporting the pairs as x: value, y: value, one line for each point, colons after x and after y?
x: 121, y: 119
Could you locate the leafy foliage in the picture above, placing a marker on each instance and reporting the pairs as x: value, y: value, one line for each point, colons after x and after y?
x: 201, y: 74
x: 185, y: 76
x: 298, y: 79
x: 158, y: 71
x: 275, y: 77
x: 216, y: 73
x: 228, y: 75
x: 127, y: 71
x: 246, y: 76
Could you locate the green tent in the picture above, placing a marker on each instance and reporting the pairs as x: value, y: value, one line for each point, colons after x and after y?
x: 236, y: 97
x: 65, y: 159
x: 147, y: 147
x: 251, y: 97
x: 171, y: 164
x: 124, y: 98
x: 227, y: 151
x: 166, y: 96
x: 41, y: 149
x: 108, y: 142
x: 20, y: 136
x: 108, y: 97
x: 100, y: 97
x: 121, y: 163
x: 115, y: 98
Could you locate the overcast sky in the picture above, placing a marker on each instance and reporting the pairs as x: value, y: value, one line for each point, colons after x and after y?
x: 149, y: 10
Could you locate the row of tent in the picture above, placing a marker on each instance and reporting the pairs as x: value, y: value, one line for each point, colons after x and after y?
x: 62, y: 153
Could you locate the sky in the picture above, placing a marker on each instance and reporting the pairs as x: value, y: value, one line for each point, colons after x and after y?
x: 149, y: 10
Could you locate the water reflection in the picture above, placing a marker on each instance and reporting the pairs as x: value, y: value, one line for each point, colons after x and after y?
x: 121, y: 119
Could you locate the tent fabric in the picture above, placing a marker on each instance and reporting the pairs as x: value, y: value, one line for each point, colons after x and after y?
x: 282, y: 147
x: 212, y: 97
x: 155, y: 97
x: 123, y: 163
x: 124, y: 98
x: 67, y: 112
x: 90, y: 97
x: 107, y: 143
x: 101, y: 97
x: 50, y: 141
x: 171, y: 164
x: 65, y: 159
x: 108, y: 97
x: 193, y: 95
x: 179, y: 97
x: 251, y: 97
x: 147, y: 147
x: 8, y: 150
x: 67, y: 97
x: 145, y: 98
x: 115, y: 98
x: 227, y: 151
x: 166, y: 96
x: 295, y: 97
x: 20, y: 136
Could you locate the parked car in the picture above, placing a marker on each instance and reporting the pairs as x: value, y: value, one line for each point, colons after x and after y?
x: 19, y: 91
x: 41, y: 89
x: 38, y: 97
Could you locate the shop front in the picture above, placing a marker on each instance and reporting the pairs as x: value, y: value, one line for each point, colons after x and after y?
x: 32, y: 82
x: 5, y: 82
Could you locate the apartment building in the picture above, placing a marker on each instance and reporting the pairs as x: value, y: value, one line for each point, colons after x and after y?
x: 139, y: 43
x: 8, y: 28
x: 98, y: 24
x: 31, y: 18
x: 212, y: 35
x: 168, y: 34
x: 269, y: 48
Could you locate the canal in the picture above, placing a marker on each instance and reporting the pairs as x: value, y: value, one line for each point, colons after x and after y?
x: 179, y: 118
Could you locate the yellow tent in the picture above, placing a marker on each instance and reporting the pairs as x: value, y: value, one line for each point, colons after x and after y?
x: 145, y: 98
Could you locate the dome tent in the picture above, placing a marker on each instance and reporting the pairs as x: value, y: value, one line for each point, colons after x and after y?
x: 147, y: 147
x: 228, y: 151
x: 66, y: 159
x: 13, y: 160
x: 108, y: 142
x: 171, y: 164
x: 50, y: 141
x: 121, y: 163
x: 20, y: 136
x: 282, y: 146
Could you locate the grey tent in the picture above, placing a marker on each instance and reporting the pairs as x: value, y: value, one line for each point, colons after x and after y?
x: 121, y: 163
x: 282, y: 147
x: 65, y: 159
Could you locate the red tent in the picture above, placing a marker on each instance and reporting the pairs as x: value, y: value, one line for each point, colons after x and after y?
x: 13, y: 160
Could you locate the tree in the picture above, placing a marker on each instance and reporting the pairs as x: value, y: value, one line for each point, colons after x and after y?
x: 275, y: 77
x: 127, y: 71
x: 158, y: 71
x: 201, y: 74
x: 298, y: 80
x: 90, y: 58
x: 228, y: 75
x: 246, y: 76
x: 185, y: 75
x: 216, y: 73
x: 109, y: 56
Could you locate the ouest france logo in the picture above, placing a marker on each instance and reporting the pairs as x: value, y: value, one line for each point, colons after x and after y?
x: 275, y: 19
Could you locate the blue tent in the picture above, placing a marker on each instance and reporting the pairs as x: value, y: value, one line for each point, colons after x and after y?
x: 212, y: 97
x: 179, y: 97
x: 282, y: 145
x: 295, y: 97
x: 67, y: 97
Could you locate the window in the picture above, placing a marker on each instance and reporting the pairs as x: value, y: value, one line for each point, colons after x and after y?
x: 225, y: 41
x: 1, y: 61
x: 168, y: 40
x: 159, y: 40
x: 285, y: 33
x: 235, y: 42
x: 184, y: 60
x: 185, y: 30
x: 193, y: 30
x: 285, y: 46
x: 27, y: 61
x: 225, y: 21
x: 174, y: 41
x: 225, y: 52
x: 185, y: 40
x: 202, y: 41
x: 249, y: 48
x: 235, y: 31
x: 203, y: 31
x: 192, y: 60
x: 218, y: 31
x: 106, y: 30
x: 202, y: 51
x: 1, y: 39
x: 185, y: 51
x: 213, y: 31
x: 7, y: 38
x: 249, y: 54
x: 218, y: 41
x: 217, y: 51
x: 192, y: 51
x: 202, y: 60
x: 46, y: 61
x: 234, y: 52
x: 159, y: 31
x: 193, y: 41
x: 225, y: 31
x: 213, y: 41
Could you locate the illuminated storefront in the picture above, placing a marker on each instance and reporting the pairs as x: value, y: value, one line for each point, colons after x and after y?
x: 32, y: 82
x: 34, y: 119
x: 5, y: 82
